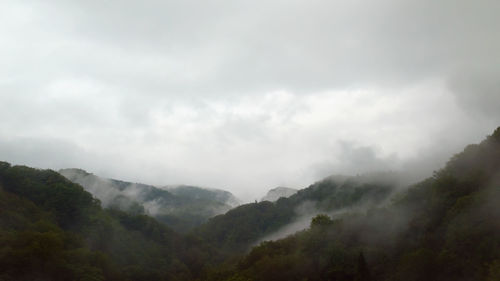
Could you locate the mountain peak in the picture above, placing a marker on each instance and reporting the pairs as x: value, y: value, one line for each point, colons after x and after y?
x: 278, y: 192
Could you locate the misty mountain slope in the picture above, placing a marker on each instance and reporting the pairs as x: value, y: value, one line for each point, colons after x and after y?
x: 245, y: 225
x: 278, y: 192
x: 198, y: 193
x: 444, y: 228
x: 52, y: 229
x: 181, y: 207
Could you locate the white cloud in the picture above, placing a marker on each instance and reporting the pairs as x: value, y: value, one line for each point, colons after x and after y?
x: 245, y: 95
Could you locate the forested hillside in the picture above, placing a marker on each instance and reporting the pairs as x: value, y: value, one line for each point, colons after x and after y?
x: 51, y: 229
x: 245, y: 225
x: 278, y: 192
x: 127, y: 126
x: 446, y: 227
x: 180, y: 207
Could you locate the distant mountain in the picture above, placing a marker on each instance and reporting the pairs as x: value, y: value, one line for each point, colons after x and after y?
x: 52, y: 229
x: 246, y: 225
x: 199, y: 193
x: 181, y: 207
x: 443, y: 228
x: 357, y: 228
x: 278, y: 192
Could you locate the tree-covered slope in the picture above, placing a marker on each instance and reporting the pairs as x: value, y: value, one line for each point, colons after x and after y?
x: 444, y: 228
x: 245, y: 225
x: 278, y: 192
x: 52, y: 229
x: 180, y: 207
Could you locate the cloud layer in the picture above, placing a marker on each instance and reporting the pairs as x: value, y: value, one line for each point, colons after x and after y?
x: 245, y: 95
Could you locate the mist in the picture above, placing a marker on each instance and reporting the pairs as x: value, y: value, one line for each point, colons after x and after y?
x: 180, y: 207
x: 245, y: 100
x: 209, y: 135
x: 397, y: 183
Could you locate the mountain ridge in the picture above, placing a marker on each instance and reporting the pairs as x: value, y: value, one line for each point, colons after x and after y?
x: 278, y: 192
x: 361, y: 228
x: 181, y: 207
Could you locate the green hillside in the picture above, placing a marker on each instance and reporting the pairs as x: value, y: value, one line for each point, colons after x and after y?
x: 363, y: 228
x: 51, y: 229
x: 245, y: 225
x: 180, y: 207
x: 444, y: 228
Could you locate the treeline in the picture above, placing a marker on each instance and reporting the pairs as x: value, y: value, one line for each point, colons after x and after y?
x: 51, y: 229
x: 182, y: 208
x: 443, y: 228
x: 241, y: 227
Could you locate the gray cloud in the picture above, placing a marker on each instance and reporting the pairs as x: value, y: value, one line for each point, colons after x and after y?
x: 41, y: 153
x: 245, y: 95
x: 477, y: 90
x: 194, y: 47
x: 353, y: 158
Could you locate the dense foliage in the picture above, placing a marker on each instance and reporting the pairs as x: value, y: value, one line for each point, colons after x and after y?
x: 243, y: 226
x: 51, y: 229
x: 181, y: 207
x: 444, y: 228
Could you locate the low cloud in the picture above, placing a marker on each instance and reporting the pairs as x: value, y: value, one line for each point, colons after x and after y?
x: 477, y: 90
x: 245, y: 96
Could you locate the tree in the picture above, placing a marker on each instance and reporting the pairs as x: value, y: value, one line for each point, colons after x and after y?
x: 321, y: 220
x: 362, y: 271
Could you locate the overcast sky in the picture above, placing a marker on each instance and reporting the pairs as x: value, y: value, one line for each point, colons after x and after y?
x: 246, y: 95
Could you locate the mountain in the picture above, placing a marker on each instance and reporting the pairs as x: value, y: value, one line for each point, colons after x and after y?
x: 52, y: 229
x: 180, y: 207
x: 366, y: 227
x: 247, y: 225
x: 278, y: 192
x: 198, y: 193
x: 443, y: 228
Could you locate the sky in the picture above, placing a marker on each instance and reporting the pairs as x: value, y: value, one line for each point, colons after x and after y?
x: 246, y: 95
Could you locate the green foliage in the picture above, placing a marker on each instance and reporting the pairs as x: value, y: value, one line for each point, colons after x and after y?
x: 321, y: 220
x: 33, y: 246
x: 239, y: 228
x: 242, y: 226
x: 494, y: 271
x: 362, y: 270
x: 181, y: 208
x: 443, y: 228
x: 51, y: 229
x: 67, y: 201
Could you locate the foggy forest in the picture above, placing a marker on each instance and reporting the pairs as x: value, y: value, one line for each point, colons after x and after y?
x: 250, y: 140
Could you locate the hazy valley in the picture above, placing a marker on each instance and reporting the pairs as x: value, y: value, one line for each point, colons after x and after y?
x: 180, y: 207
x: 366, y: 227
x: 259, y: 140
